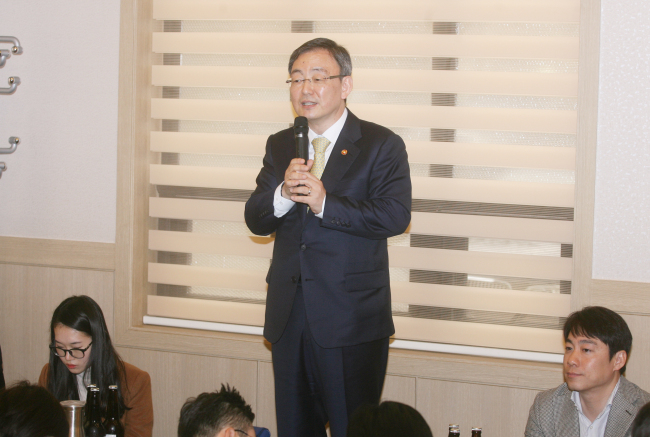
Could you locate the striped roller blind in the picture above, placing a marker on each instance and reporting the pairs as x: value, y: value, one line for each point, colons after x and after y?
x: 484, y: 93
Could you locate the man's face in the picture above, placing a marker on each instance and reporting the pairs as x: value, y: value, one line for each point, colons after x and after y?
x: 321, y: 104
x: 587, y: 367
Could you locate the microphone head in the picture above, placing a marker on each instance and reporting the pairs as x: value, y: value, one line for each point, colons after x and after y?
x: 300, y: 125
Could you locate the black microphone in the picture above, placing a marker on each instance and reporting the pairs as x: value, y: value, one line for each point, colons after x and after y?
x: 300, y: 131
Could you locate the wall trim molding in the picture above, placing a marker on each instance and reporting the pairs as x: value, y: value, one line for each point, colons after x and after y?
x: 621, y: 296
x: 58, y: 253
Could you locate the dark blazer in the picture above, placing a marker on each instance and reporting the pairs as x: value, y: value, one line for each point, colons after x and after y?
x: 554, y: 414
x: 342, y: 259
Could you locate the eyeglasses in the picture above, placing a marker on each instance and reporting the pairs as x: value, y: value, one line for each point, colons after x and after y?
x: 316, y: 81
x: 243, y: 432
x: 74, y: 353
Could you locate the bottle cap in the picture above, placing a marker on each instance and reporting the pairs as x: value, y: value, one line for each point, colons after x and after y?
x: 112, y: 387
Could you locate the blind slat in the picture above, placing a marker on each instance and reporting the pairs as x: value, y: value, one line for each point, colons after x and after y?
x: 490, y: 155
x: 416, y: 10
x: 444, y: 117
x: 473, y: 298
x: 361, y: 44
x: 206, y: 310
x: 526, y: 266
x: 188, y: 242
x: 454, y: 189
x: 432, y: 81
x: 195, y: 276
x: 491, y: 227
x: 479, y: 334
x: 421, y: 222
x: 514, y: 301
x: 481, y: 263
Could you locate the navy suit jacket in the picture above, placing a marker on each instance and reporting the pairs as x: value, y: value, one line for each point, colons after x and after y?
x: 341, y: 259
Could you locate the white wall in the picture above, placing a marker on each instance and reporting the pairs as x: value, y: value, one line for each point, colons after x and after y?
x: 622, y: 215
x: 61, y: 182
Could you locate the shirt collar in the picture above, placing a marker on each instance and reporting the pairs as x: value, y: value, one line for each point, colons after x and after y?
x: 575, y: 397
x: 333, y: 132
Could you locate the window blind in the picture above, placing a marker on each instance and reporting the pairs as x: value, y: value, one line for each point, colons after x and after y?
x: 484, y: 93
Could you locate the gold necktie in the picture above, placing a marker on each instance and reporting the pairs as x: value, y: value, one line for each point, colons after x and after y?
x: 320, y: 145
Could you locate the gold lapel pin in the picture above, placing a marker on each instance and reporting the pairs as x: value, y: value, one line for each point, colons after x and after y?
x: 344, y: 152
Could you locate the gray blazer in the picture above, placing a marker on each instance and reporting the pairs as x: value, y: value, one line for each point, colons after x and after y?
x: 554, y: 414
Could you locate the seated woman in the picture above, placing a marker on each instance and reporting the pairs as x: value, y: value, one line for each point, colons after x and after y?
x: 82, y: 354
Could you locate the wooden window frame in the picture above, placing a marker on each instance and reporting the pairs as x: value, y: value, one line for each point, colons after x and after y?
x: 133, y: 190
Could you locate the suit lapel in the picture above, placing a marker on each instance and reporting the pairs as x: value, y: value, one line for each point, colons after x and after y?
x: 624, y: 409
x: 568, y: 424
x: 343, y: 154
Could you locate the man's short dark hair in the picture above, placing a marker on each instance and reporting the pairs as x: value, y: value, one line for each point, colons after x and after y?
x: 386, y: 420
x: 209, y: 413
x: 641, y: 424
x: 603, y: 324
x: 339, y: 53
x: 28, y: 410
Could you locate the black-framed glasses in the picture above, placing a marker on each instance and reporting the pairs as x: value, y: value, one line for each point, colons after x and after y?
x: 317, y: 81
x: 244, y: 432
x: 74, y: 353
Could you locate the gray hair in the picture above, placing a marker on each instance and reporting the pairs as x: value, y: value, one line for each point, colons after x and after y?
x: 339, y: 53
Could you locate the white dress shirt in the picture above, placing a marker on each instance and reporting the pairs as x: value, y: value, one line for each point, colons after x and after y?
x: 597, y: 427
x: 281, y: 206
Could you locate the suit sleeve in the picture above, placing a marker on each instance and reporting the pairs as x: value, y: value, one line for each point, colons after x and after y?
x: 138, y: 421
x: 259, y: 207
x: 387, y: 210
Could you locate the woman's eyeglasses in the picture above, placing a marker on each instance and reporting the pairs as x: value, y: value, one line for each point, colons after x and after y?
x: 74, y: 353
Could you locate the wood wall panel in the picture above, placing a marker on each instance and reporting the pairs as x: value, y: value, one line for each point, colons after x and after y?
x: 399, y: 389
x: 265, y: 413
x: 28, y: 297
x: 177, y: 377
x: 500, y: 411
x: 61, y: 253
x: 637, y: 367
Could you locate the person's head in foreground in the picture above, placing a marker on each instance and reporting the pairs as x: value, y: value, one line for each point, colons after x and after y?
x: 641, y: 425
x: 222, y: 413
x: 387, y: 419
x: 31, y: 411
x: 80, y: 342
x: 597, y: 345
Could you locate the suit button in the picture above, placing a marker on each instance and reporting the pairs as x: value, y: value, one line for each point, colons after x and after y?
x: 294, y: 279
x: 303, y: 247
x: 333, y: 221
x: 338, y: 223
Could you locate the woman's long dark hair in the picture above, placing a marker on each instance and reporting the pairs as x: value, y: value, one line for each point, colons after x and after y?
x: 105, y: 365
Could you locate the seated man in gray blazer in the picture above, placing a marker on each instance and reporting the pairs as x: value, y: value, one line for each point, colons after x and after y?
x: 596, y: 400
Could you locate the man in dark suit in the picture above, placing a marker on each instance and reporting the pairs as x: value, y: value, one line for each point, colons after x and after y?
x: 328, y: 307
x: 595, y: 400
